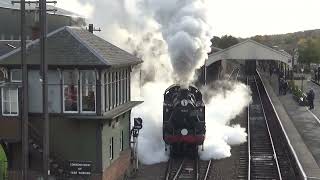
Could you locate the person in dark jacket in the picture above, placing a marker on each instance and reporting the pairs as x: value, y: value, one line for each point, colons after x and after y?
x: 285, y: 87
x: 310, y: 97
x: 280, y: 86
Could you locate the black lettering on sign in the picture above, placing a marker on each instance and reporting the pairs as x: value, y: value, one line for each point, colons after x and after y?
x: 80, y: 168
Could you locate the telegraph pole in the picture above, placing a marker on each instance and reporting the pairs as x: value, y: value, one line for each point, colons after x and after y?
x: 24, y: 119
x: 44, y: 70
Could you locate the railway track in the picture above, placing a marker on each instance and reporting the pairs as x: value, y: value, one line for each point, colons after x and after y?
x: 188, y: 169
x: 262, y: 157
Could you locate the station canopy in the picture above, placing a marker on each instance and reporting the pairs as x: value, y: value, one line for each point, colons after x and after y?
x: 249, y: 50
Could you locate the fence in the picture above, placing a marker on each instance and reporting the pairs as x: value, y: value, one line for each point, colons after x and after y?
x: 3, y: 170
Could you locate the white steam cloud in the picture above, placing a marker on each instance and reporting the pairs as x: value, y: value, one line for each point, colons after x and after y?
x: 173, y: 39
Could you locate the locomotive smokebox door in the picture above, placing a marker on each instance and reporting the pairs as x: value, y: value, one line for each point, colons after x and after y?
x: 137, y: 123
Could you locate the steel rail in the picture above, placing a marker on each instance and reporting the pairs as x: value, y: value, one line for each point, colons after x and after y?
x: 207, y: 170
x: 270, y: 136
x: 179, y: 170
x: 305, y: 177
x: 248, y: 131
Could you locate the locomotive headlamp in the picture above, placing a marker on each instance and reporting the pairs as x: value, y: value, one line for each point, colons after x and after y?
x: 184, y: 102
x: 184, y: 132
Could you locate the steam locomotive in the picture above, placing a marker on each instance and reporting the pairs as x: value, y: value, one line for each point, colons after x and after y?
x: 183, y: 118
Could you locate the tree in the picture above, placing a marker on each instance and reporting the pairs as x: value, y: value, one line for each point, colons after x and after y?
x: 224, y: 42
x: 309, y: 51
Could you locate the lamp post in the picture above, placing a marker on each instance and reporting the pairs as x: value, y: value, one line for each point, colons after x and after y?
x: 302, y: 79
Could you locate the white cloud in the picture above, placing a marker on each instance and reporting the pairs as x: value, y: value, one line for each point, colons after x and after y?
x: 82, y: 8
x: 251, y: 17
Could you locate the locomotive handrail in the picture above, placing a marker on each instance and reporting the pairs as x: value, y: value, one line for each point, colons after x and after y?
x: 270, y: 136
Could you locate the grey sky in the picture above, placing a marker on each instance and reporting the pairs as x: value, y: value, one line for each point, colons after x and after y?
x: 242, y: 18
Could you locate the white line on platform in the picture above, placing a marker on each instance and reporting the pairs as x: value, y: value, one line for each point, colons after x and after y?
x: 313, y: 115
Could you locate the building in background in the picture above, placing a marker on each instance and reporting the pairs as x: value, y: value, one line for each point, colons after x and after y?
x: 89, y: 105
x: 10, y: 20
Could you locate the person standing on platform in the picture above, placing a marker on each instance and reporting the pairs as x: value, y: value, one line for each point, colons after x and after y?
x: 280, y: 82
x: 310, y: 97
x: 285, y: 87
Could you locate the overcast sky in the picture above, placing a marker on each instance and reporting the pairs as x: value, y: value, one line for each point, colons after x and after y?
x: 242, y: 18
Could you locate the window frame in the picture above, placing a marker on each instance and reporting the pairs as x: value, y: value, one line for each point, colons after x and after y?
x: 63, y: 95
x: 121, y: 140
x: 11, y: 71
x: 4, y: 76
x: 95, y: 93
x: 9, y: 101
x: 111, y: 150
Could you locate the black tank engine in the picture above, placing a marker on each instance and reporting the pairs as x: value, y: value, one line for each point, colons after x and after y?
x: 183, y: 116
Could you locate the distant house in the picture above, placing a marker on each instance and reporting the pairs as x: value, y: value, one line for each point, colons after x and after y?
x: 89, y: 103
x: 10, y: 20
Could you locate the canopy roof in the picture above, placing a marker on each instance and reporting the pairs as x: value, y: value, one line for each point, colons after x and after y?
x: 249, y: 50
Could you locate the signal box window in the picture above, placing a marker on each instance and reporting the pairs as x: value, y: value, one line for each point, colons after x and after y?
x: 2, y: 76
x: 15, y: 75
x: 10, y: 104
x: 70, y: 91
x: 88, y: 91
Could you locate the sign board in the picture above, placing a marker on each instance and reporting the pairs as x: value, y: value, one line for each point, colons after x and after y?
x: 80, y: 168
x: 137, y: 123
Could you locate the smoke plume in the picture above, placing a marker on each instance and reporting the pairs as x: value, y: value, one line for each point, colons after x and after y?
x: 173, y: 39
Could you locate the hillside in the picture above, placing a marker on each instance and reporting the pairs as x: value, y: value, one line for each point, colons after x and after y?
x: 287, y: 41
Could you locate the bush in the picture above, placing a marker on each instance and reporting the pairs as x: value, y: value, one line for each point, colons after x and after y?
x: 299, y: 96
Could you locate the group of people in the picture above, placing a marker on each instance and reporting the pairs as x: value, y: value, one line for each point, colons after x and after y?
x: 283, y: 88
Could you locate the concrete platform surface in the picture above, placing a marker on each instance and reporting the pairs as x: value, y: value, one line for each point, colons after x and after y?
x: 301, y: 126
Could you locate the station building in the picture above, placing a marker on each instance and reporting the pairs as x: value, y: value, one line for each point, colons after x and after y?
x: 89, y: 104
x: 247, y: 53
x: 10, y: 20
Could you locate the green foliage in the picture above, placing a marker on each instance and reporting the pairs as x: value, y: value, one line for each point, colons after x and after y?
x: 224, y: 42
x: 2, y: 154
x: 297, y: 93
x: 309, y: 51
x: 3, y: 164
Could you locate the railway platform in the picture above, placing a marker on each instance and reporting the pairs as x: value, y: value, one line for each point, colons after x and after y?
x: 302, y: 127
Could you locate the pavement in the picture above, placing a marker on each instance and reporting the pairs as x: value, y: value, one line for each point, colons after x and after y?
x: 302, y: 126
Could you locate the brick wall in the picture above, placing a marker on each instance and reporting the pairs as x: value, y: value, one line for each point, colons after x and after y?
x: 118, y: 168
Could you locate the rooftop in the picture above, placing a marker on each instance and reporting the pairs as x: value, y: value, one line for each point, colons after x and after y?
x: 73, y: 46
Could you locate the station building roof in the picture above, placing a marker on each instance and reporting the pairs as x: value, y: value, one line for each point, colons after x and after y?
x: 249, y: 50
x: 73, y: 46
x: 8, y: 45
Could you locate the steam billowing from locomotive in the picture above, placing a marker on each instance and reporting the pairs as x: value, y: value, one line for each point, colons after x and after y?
x: 173, y: 38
